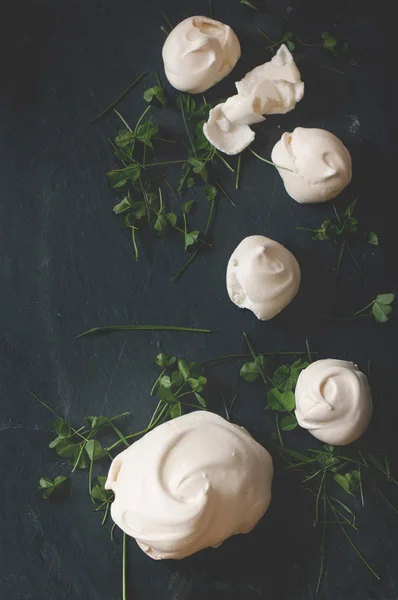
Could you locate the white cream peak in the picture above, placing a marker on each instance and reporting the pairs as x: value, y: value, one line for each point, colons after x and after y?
x: 319, y: 164
x: 263, y: 276
x: 198, y: 53
x: 189, y: 484
x: 333, y: 401
x: 272, y: 88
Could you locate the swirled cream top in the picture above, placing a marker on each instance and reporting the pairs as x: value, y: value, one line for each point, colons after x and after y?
x: 198, y: 53
x: 263, y: 276
x: 319, y: 164
x: 333, y: 401
x: 189, y: 484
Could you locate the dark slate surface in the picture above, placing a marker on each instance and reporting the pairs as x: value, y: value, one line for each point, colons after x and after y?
x: 65, y: 265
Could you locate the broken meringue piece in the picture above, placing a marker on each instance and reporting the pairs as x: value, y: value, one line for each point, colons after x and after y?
x: 227, y: 136
x: 272, y: 88
x: 198, y: 53
x: 277, y: 82
x: 263, y: 276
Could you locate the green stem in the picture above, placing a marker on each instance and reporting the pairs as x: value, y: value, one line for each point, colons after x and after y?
x: 269, y: 162
x: 310, y: 45
x: 275, y: 44
x: 78, y: 458
x: 229, y: 408
x: 377, y: 489
x: 379, y: 466
x: 363, y: 309
x: 317, y: 498
x: 360, y: 484
x: 220, y: 156
x: 148, y: 108
x: 106, y: 514
x: 210, y: 217
x: 133, y: 234
x: 330, y: 69
x: 121, y: 436
x: 264, y: 376
x: 321, y: 566
x: 219, y: 360
x: 187, y: 130
x: 342, y: 515
x: 157, y: 381
x: 238, y: 172
x: 167, y: 141
x: 90, y: 477
x: 278, y: 431
x: 184, y: 216
x: 167, y: 162
x: 261, y: 32
x: 142, y: 328
x: 109, y: 108
x: 354, y: 547
x: 184, y: 267
x: 337, y: 318
x: 308, y: 351
x: 166, y: 18
x: 356, y: 263
x: 47, y: 406
x: 183, y: 178
x: 199, y: 240
x: 342, y: 248
x: 226, y: 195
x: 337, y: 214
x: 147, y: 206
x: 158, y: 415
x: 322, y: 66
x: 123, y: 120
x: 102, y: 505
x: 211, y: 10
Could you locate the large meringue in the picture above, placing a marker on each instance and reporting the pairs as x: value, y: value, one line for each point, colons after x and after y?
x: 263, y: 276
x: 198, y: 53
x: 189, y: 484
x: 272, y: 88
x: 333, y: 401
x: 317, y: 165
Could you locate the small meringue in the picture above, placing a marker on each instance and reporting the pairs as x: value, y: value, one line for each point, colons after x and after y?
x: 263, y: 276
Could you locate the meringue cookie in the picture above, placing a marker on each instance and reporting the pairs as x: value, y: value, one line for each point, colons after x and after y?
x: 333, y: 401
x: 319, y: 163
x: 272, y: 88
x: 262, y: 276
x: 198, y: 53
x: 189, y: 484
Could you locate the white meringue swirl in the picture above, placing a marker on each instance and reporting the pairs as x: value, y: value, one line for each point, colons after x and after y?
x: 189, y: 484
x: 198, y: 53
x: 333, y: 401
x: 316, y: 164
x: 263, y: 276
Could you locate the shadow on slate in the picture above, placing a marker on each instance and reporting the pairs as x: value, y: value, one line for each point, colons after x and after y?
x: 253, y: 566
